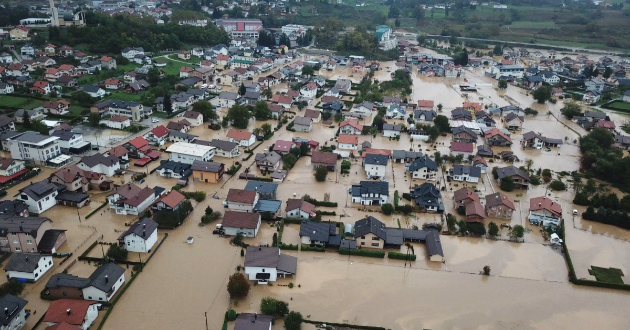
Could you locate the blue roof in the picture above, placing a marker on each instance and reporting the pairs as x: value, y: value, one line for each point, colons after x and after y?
x: 268, y: 205
x: 261, y: 187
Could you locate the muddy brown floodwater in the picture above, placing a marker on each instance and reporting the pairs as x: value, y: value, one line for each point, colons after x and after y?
x: 528, y: 288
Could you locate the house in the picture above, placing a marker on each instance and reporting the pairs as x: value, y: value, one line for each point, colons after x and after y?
x: 14, y: 317
x: 27, y: 234
x: 532, y: 140
x: 591, y: 96
x: 302, y: 124
x: 309, y: 90
x: 461, y: 148
x: 466, y: 173
x: 362, y: 110
x: 6, y: 124
x: 241, y: 200
x: 19, y: 33
x: 424, y: 115
x: 299, y: 209
x: 464, y: 134
x: 335, y: 106
x: 320, y: 234
x: 225, y: 149
x: 266, y: 264
x: 606, y: 124
x: 77, y: 313
x: 423, y: 168
x: 112, y: 83
x: 157, y: 136
x: 94, y: 91
x: 75, y: 179
x: 499, y: 206
x: 265, y: 190
x: 35, y: 147
x: 194, y: 118
x: 170, y: 202
x: 243, y: 138
x: 404, y: 156
x: 325, y: 159
x: 131, y: 199
x: 396, y: 111
x: 100, y: 286
x: 343, y: 85
x: 249, y: 321
x: 6, y: 89
x: 189, y: 152
x: 172, y: 169
x: 269, y: 161
x: 520, y: 178
x: 41, y: 87
x: 461, y: 114
x: 375, y: 165
x: 99, y: 163
x: 108, y: 62
x: 10, y: 169
x: 543, y: 210
x: 495, y: 137
x: 350, y: 142
x: 350, y: 126
x: 513, y: 122
x: 244, y: 223
x: 122, y: 153
x: 181, y: 126
x: 283, y: 147
x: 428, y: 196
x: 39, y: 196
x: 314, y: 115
x: 391, y: 130
x: 227, y: 99
x: 478, y: 161
x: 28, y: 267
x: 70, y: 142
x: 210, y: 172
x: 117, y: 122
x: 370, y: 192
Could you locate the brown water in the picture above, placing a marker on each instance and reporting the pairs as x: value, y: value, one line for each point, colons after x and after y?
x: 528, y: 288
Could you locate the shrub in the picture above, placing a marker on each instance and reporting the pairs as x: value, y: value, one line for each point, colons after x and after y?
x: 507, y: 184
x: 405, y: 209
x: 320, y: 174
x: 293, y: 321
x: 11, y: 287
x: 231, y: 315
x: 363, y: 253
x: 274, y: 307
x: 476, y: 228
x: 116, y: 252
x: 238, y: 286
x: 557, y: 185
x: 401, y: 256
x: 387, y: 209
x: 493, y: 229
x: 517, y: 232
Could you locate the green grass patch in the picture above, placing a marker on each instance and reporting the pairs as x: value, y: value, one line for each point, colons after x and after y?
x: 19, y: 102
x: 532, y: 25
x: 193, y: 60
x: 120, y: 95
x: 618, y: 105
x: 607, y: 275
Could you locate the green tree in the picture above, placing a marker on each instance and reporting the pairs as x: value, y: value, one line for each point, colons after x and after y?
x: 503, y: 84
x: 338, y: 117
x: 262, y: 111
x: 493, y: 229
x: 238, y: 286
x: 571, y: 109
x: 308, y: 70
x: 542, y: 94
x: 239, y: 115
x: 242, y: 90
x: 26, y: 119
x: 288, y: 161
x: 497, y: 50
x: 154, y: 76
x: 303, y: 149
x: 507, y: 183
x: 517, y: 231
x: 11, y: 287
x: 266, y: 129
x: 267, y: 93
x: 463, y: 227
x: 442, y: 123
x: 94, y: 119
x: 394, y: 12
x: 387, y: 209
x: 293, y: 321
x: 167, y: 104
x: 451, y: 222
x: 274, y: 307
x: 206, y: 109
x: 557, y: 185
x: 115, y: 252
x: 320, y: 174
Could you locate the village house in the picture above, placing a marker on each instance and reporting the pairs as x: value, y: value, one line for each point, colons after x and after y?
x: 464, y: 134
x: 189, y: 152
x: 370, y: 193
x: 243, y: 138
x: 269, y: 161
x: 10, y: 169
x: 265, y: 190
x: 225, y: 149
x: 266, y: 264
x: 75, y: 179
x: 78, y: 313
x: 241, y: 200
x: 210, y: 172
x: 117, y: 122
x: 302, y: 124
x: 244, y: 223
x: 319, y: 234
x: 71, y: 142
x: 494, y: 137
x: 172, y: 169
x: 348, y: 142
x: 499, y: 206
x: 461, y: 148
x: 100, y: 286
x: 28, y: 266
x: 114, y: 84
x: 428, y: 197
x: 170, y: 202
x: 27, y: 234
x: 375, y: 166
x: 41, y: 87
x: 194, y: 118
x: 157, y: 136
x: 423, y: 168
x: 39, y: 196
x: 248, y: 321
x: 15, y: 316
x: 520, y: 178
x: 325, y: 159
x: 544, y: 211
x: 350, y: 126
x: 121, y: 153
x: 107, y: 165
x: 362, y: 110
x: 108, y: 63
x: 466, y: 173
x: 131, y: 199
x: 299, y: 209
x: 513, y: 122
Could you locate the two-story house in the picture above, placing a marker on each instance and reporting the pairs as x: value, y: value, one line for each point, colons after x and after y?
x: 375, y: 166
x: 241, y: 200
x: 499, y: 206
x: 39, y: 196
x: 545, y: 211
x: 370, y: 193
x: 423, y: 168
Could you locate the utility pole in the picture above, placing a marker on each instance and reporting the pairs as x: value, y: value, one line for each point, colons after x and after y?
x: 206, y: 314
x: 79, y: 215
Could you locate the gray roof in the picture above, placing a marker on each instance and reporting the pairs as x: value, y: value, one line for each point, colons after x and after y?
x: 9, y: 208
x: 23, y: 262
x: 426, y: 194
x: 460, y: 129
x: 595, y: 114
x: 373, y: 159
x: 142, y: 228
x: 228, y: 96
x: 511, y: 171
x: 259, y: 256
x: 17, y: 224
x: 64, y: 135
x: 32, y: 137
x: 213, y: 167
x: 13, y: 305
x: 261, y: 187
x: 366, y: 187
x: 392, y: 127
x: 49, y: 239
x: 472, y: 171
x: 249, y: 321
x: 423, y: 162
x: 370, y: 225
x: 272, y: 157
x: 93, y: 160
x: 67, y: 280
x: 429, y: 115
x: 268, y: 205
x: 302, y: 121
x: 485, y: 150
x: 318, y: 231
x: 181, y: 135
x: 348, y: 244
x: 91, y: 89
x: 287, y: 263
x: 182, y: 169
x: 105, y: 276
x: 461, y: 112
x: 223, y: 145
x: 39, y: 189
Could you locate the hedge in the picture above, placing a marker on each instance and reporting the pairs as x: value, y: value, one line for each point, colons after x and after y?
x: 345, y: 325
x: 363, y: 253
x: 283, y: 246
x: 320, y: 203
x: 258, y: 178
x: 313, y: 248
x: 95, y: 210
x: 293, y: 220
x: 333, y: 213
x: 407, y: 196
x: 401, y: 256
x: 233, y: 170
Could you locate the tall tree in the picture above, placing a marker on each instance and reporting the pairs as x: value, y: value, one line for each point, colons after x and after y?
x: 168, y: 106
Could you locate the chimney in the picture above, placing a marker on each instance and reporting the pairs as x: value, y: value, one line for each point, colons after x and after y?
x: 259, y: 248
x: 68, y: 311
x: 106, y: 278
x: 144, y: 225
x: 26, y: 258
x: 255, y: 317
x: 144, y: 233
x: 6, y: 310
x: 21, y: 228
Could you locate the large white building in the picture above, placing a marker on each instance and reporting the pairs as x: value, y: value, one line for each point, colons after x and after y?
x: 241, y: 27
x: 140, y: 237
x: 295, y: 29
x: 514, y: 71
x: 185, y: 152
x: 265, y: 264
x: 35, y: 147
x: 386, y: 38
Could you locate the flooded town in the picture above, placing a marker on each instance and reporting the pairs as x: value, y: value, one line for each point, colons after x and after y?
x: 241, y: 186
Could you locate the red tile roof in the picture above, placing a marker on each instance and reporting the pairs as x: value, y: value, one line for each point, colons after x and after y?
x: 241, y: 196
x: 282, y: 146
x: 240, y: 219
x: 606, y: 124
x: 373, y: 151
x: 465, y: 193
x: 119, y: 118
x: 222, y: 57
x: 160, y: 131
x: 353, y: 123
x: 349, y: 139
x: 239, y: 135
x: 426, y: 103
x: 173, y: 198
x: 139, y: 142
x: 495, y: 131
x: 118, y: 151
x: 474, y: 105
x: 57, y: 311
x: 326, y: 158
x: 462, y: 146
x: 544, y: 203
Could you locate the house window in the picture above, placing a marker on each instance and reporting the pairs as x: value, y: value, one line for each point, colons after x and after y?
x: 17, y: 249
x: 362, y: 243
x: 375, y: 244
x: 363, y: 237
x: 16, y: 241
x: 375, y: 238
x: 65, y: 294
x: 28, y: 241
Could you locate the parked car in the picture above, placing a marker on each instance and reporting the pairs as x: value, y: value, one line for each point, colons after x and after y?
x: 155, y: 120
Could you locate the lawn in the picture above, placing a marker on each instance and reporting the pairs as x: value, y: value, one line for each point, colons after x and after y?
x: 532, y: 25
x: 192, y: 61
x: 619, y: 105
x: 608, y: 275
x: 172, y: 67
x: 75, y: 110
x: 19, y: 102
x: 120, y: 95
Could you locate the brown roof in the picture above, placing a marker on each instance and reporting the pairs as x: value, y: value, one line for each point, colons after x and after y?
x: 70, y: 174
x: 140, y: 197
x: 544, y: 203
x: 173, y: 198
x: 326, y: 158
x: 349, y: 139
x: 497, y: 199
x: 58, y: 311
x: 239, y: 135
x: 353, y: 123
x: 465, y: 193
x: 191, y: 114
x: 426, y: 103
x: 311, y: 113
x: 303, y: 205
x: 475, y: 208
x: 241, y: 196
x: 375, y: 151
x: 328, y: 99
x: 495, y: 131
x: 119, y: 118
x: 240, y: 219
x: 462, y: 146
x: 127, y: 190
x: 5, y: 162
